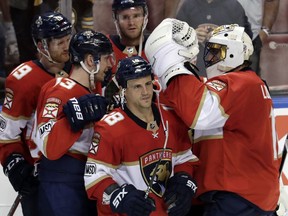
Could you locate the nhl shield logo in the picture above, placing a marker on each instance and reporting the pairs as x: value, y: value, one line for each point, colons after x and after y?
x: 149, y: 165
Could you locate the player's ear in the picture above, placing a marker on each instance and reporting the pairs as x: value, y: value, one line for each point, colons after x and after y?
x: 40, y: 46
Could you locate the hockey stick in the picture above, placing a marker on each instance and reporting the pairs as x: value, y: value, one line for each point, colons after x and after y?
x: 284, y: 155
x: 14, y: 205
x: 165, y: 127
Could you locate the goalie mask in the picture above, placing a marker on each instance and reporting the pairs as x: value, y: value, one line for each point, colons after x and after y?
x: 171, y: 43
x: 228, y: 48
x: 93, y: 43
x: 50, y: 25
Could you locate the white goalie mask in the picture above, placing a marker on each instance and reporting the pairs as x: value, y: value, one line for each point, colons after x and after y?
x: 228, y: 48
x: 171, y: 42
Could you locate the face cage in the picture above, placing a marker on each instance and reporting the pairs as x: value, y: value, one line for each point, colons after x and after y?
x: 214, y: 53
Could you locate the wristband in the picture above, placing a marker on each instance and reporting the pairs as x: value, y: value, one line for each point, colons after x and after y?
x: 266, y: 30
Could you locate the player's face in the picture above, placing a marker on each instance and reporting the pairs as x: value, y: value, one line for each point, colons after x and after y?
x: 139, y: 93
x: 130, y: 22
x: 106, y: 62
x: 59, y: 49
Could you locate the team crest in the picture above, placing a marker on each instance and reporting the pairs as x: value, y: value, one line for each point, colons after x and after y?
x: 130, y: 51
x: 148, y: 163
x: 8, y: 101
x: 50, y: 110
x: 217, y: 85
x: 95, y: 143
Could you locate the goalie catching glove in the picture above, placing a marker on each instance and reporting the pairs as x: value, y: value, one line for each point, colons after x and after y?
x: 86, y: 109
x: 21, y: 174
x: 178, y: 195
x: 127, y: 199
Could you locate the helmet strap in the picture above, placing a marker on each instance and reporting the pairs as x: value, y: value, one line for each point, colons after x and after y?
x: 145, y: 21
x: 122, y: 97
x: 47, y: 54
x: 91, y: 73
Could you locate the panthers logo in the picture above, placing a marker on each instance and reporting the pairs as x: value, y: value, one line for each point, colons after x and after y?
x: 161, y: 173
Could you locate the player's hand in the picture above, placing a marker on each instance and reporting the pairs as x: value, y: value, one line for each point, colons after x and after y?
x: 178, y: 195
x: 202, y: 34
x: 87, y: 108
x: 127, y: 199
x: 20, y: 174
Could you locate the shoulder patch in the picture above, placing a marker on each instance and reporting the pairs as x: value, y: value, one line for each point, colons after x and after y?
x: 8, y: 101
x: 95, y: 143
x: 217, y: 85
x: 53, y: 100
x: 51, y: 108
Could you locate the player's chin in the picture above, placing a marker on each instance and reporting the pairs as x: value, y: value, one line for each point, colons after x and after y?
x: 65, y: 57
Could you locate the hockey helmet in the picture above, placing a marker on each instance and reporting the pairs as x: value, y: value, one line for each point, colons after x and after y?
x: 89, y: 42
x: 132, y: 68
x: 125, y: 4
x: 50, y: 25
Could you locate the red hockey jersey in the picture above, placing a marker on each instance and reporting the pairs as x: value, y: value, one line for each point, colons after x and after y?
x: 123, y: 151
x: 235, y: 137
x: 52, y: 132
x: 22, y: 90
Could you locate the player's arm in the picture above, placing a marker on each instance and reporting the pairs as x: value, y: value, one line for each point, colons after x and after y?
x: 16, y: 115
x: 51, y: 132
x: 270, y: 12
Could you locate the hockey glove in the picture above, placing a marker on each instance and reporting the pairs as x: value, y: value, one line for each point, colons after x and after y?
x: 127, y: 199
x: 20, y: 174
x: 178, y: 195
x: 87, y: 108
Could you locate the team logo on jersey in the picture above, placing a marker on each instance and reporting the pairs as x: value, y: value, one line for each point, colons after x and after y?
x: 50, y: 109
x: 95, y: 143
x: 161, y: 172
x: 129, y: 51
x: 8, y: 101
x: 217, y: 85
x: 2, y: 124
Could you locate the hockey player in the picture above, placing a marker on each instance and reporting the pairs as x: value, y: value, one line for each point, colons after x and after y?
x: 130, y: 19
x: 231, y: 113
x: 63, y: 134
x: 140, y: 161
x: 51, y: 33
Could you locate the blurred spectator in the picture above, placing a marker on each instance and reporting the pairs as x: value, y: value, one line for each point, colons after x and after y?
x: 8, y: 43
x: 82, y: 17
x: 158, y: 10
x: 262, y: 15
x: 22, y: 13
x: 205, y: 15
